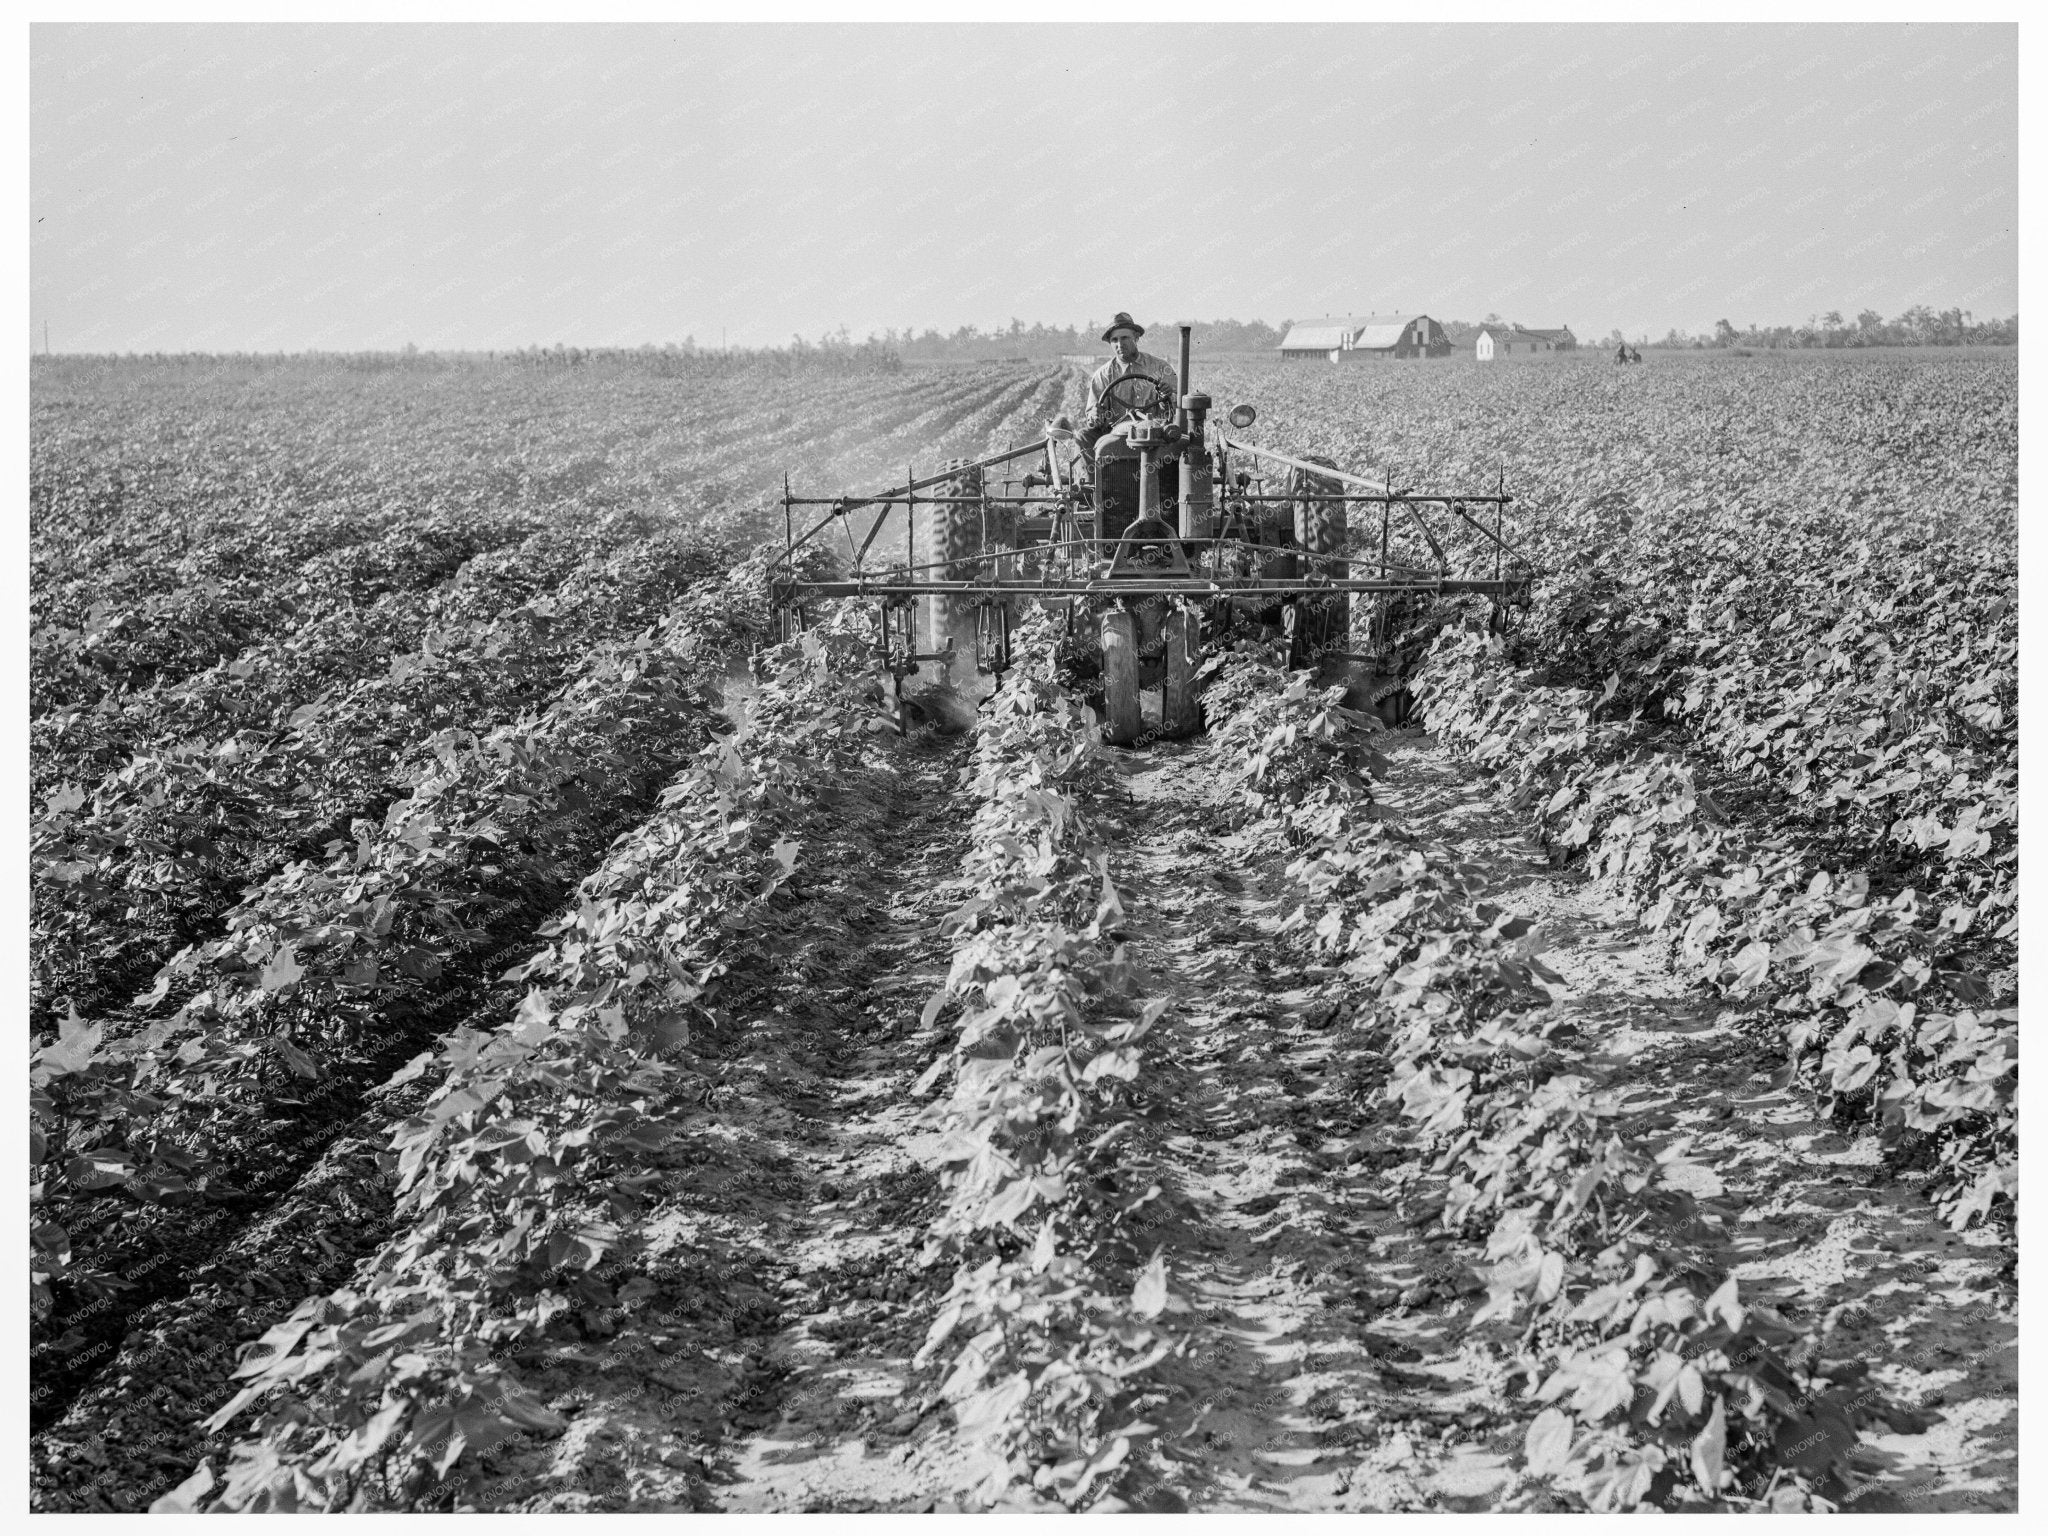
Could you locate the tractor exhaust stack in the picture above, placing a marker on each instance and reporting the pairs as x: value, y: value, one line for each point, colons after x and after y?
x: 1197, y: 476
x: 1186, y: 384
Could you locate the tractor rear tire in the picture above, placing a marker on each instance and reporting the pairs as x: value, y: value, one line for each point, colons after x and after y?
x: 1123, y: 715
x: 1320, y: 528
x: 949, y: 536
x: 1180, y: 711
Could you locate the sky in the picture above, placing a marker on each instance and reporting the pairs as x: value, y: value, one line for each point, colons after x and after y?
x: 300, y: 187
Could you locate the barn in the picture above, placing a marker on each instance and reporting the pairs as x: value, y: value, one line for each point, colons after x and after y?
x: 1491, y: 341
x: 1323, y: 341
x: 1361, y: 338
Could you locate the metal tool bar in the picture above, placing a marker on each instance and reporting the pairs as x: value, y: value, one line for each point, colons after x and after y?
x: 1379, y: 496
x: 1093, y: 547
x: 924, y: 501
x: 1132, y: 586
x: 1500, y: 547
x: 1210, y: 541
x: 874, y: 528
x: 899, y: 492
x: 1435, y: 548
x: 1323, y: 470
x: 819, y: 527
x: 1399, y: 578
x: 1481, y: 528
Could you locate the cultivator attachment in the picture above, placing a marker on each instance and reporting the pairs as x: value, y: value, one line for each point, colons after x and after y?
x: 1172, y: 535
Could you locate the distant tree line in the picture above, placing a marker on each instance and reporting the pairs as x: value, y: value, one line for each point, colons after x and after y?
x: 1041, y: 342
x: 1920, y: 326
x: 832, y: 353
x: 681, y: 360
x: 837, y: 351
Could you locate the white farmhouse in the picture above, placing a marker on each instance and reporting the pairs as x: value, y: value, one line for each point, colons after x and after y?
x: 1491, y: 341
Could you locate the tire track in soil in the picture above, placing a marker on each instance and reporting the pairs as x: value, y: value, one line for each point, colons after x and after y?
x: 1334, y: 1366
x: 771, y: 1371
x: 1308, y: 1386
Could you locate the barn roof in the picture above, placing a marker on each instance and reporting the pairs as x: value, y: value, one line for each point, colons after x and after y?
x: 1315, y: 338
x: 1519, y: 333
x: 1352, y: 330
x: 1382, y: 331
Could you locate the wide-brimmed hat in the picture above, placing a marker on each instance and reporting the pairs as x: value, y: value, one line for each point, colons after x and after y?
x: 1122, y: 322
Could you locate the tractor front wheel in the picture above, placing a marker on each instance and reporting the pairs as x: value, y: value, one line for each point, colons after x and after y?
x: 1180, y: 712
x: 1123, y: 717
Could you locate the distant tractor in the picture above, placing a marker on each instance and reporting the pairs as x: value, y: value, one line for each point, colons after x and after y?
x: 1152, y: 548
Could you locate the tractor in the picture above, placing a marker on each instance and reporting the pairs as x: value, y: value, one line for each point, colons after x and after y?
x: 1175, y: 536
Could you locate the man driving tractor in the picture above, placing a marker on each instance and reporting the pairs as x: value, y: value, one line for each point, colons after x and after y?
x: 1102, y: 415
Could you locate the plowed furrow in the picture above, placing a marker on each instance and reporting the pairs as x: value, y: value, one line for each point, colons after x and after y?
x: 1336, y: 1362
x: 780, y: 1382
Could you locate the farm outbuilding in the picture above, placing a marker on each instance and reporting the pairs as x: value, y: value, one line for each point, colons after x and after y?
x: 1359, y: 338
x: 1491, y: 341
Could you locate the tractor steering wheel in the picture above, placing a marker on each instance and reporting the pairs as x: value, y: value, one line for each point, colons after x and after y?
x: 1135, y: 393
